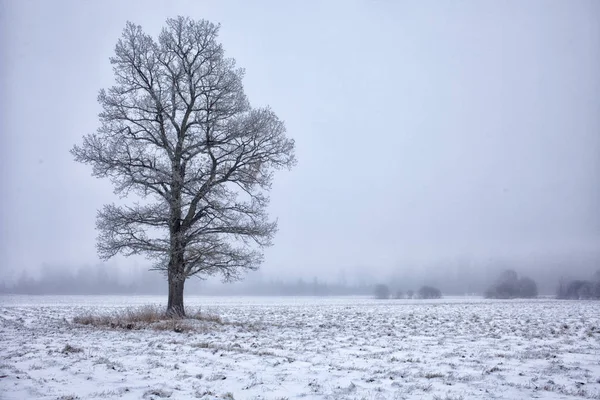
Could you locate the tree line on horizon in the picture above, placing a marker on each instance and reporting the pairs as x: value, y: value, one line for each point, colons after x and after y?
x: 509, y: 285
x: 104, y: 280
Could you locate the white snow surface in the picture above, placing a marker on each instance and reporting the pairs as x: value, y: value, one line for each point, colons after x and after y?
x: 305, y: 347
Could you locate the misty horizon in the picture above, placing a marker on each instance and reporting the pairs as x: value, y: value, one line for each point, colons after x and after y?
x: 457, y: 277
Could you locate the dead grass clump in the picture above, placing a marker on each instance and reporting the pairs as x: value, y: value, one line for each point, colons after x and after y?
x: 145, y: 317
x: 71, y: 349
x: 144, y: 314
x: 172, y: 325
x: 161, y: 393
x: 90, y: 319
x: 448, y: 397
x: 131, y: 318
x: 495, y: 368
x: 114, y: 365
x: 197, y: 315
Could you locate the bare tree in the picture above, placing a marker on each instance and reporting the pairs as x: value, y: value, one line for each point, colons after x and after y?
x: 178, y: 132
x: 429, y: 292
x: 510, y: 286
x: 382, y: 291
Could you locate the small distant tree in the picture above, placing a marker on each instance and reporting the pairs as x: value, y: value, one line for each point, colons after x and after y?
x: 399, y: 294
x: 506, y: 287
x: 580, y: 289
x: 410, y: 294
x: 527, y: 288
x: 561, y: 290
x: 510, y: 286
x: 382, y: 291
x: 429, y: 292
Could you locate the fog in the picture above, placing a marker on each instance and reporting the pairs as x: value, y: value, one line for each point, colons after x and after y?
x: 437, y: 142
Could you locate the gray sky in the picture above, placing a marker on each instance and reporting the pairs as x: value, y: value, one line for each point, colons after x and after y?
x: 425, y: 130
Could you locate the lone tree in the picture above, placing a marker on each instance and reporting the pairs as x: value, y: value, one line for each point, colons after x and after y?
x: 429, y: 292
x: 382, y: 291
x: 178, y: 132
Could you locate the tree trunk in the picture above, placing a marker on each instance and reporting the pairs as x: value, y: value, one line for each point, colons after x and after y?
x: 175, y: 304
x: 177, y: 250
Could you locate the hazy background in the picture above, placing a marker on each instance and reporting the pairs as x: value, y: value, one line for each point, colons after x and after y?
x: 435, y: 139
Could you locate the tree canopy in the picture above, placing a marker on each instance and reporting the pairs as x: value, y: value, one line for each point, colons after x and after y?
x: 177, y: 131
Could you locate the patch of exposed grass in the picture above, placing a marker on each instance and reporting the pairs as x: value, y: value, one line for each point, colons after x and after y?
x: 197, y: 315
x: 492, y: 370
x: 154, y: 393
x: 448, y: 397
x: 68, y: 349
x: 150, y: 316
x: 173, y: 325
x: 433, y: 375
x: 550, y: 386
x: 109, y: 394
x: 114, y: 365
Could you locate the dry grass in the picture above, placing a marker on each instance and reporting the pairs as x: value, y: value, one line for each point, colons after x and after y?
x: 197, y: 315
x: 448, y: 397
x: 145, y: 317
x: 433, y: 375
x: 154, y: 393
x: 71, y: 349
x: 174, y: 325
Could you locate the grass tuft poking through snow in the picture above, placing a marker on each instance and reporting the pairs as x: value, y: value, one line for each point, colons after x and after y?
x: 145, y: 317
x: 71, y: 349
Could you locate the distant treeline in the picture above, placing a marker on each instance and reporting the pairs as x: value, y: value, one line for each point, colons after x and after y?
x: 106, y: 279
x: 509, y: 286
x: 296, y: 288
x: 580, y: 289
x: 84, y: 281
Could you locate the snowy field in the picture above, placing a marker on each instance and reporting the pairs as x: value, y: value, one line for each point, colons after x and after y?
x: 310, y: 348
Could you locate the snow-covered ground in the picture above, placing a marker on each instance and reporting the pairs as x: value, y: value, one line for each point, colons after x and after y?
x: 321, y: 348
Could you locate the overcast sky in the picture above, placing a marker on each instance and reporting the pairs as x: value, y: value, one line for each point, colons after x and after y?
x: 425, y: 130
